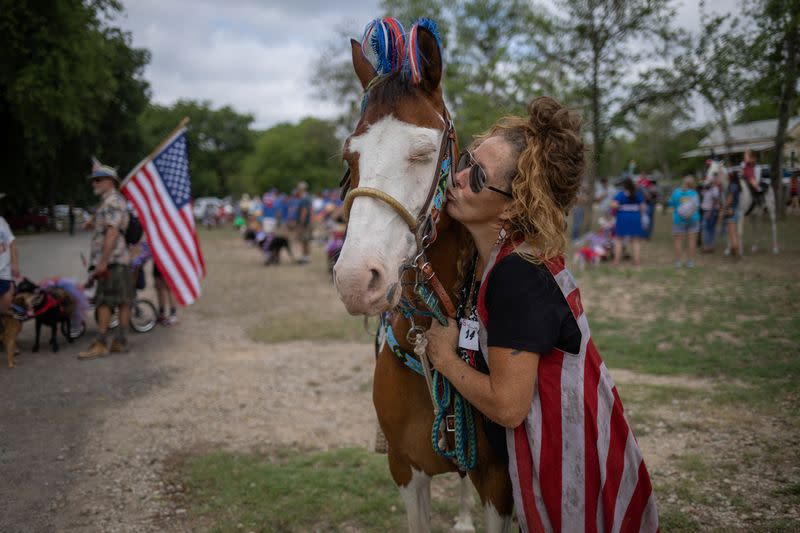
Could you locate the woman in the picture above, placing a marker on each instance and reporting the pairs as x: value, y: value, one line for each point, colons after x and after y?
x: 632, y: 219
x: 685, y: 221
x: 710, y: 207
x: 751, y: 172
x: 547, y: 386
x: 731, y: 214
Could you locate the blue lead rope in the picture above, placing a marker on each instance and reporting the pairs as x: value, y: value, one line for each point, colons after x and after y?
x: 466, y: 440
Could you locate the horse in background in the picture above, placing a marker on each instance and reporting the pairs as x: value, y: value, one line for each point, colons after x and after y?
x: 747, y: 206
x: 397, y: 156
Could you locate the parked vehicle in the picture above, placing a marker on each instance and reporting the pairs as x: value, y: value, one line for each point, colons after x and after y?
x: 202, y: 203
x: 33, y: 219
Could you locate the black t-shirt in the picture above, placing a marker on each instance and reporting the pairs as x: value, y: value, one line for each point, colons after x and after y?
x: 527, y: 310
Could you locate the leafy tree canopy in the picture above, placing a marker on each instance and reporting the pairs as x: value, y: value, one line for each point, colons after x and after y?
x: 288, y: 153
x: 71, y: 86
x: 219, y: 140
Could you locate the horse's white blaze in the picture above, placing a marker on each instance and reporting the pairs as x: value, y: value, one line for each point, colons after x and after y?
x: 417, y: 497
x: 495, y: 522
x: 399, y: 159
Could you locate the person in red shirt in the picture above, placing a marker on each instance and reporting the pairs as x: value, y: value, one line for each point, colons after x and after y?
x: 794, y: 192
x: 750, y: 171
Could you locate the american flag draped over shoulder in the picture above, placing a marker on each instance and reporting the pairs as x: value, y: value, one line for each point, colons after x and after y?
x: 160, y: 190
x: 574, y: 462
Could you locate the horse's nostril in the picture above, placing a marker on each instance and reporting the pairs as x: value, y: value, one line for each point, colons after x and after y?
x: 374, y: 280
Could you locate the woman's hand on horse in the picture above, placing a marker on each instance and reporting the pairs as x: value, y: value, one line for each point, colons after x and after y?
x: 442, y: 343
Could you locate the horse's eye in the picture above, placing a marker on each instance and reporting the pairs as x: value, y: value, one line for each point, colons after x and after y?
x: 420, y: 157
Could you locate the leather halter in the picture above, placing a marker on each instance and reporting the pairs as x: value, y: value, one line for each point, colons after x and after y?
x: 422, y: 226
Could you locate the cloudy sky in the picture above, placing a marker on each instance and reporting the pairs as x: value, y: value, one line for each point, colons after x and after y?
x: 255, y: 55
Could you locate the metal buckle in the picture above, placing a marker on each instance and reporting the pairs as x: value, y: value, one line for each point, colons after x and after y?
x: 450, y: 423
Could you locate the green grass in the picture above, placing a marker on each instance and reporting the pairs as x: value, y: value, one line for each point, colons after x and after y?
x: 346, y: 489
x: 312, y: 325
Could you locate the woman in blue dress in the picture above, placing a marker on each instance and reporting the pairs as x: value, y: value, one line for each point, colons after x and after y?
x: 631, y: 210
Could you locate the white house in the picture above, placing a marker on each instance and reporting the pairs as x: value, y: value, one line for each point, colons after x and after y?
x: 759, y: 136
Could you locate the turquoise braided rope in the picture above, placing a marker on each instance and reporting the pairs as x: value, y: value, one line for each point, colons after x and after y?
x: 465, y: 452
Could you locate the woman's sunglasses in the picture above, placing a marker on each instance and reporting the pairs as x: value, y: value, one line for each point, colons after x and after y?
x: 477, y: 176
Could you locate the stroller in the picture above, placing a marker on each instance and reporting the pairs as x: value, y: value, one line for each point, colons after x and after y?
x: 595, y: 246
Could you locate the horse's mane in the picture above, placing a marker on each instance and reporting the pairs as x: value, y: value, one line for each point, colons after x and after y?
x: 390, y: 89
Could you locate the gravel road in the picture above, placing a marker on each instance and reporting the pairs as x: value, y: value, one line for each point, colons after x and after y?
x: 82, y: 443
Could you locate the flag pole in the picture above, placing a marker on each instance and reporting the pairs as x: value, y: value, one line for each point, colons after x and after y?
x: 157, y: 149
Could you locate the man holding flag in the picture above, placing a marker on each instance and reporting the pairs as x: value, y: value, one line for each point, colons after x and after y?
x: 160, y: 189
x: 109, y: 261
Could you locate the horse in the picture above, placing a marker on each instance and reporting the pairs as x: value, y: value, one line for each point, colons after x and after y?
x: 746, y: 206
x: 397, y: 229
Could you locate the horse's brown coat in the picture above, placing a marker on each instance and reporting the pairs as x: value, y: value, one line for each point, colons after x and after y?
x: 402, y: 400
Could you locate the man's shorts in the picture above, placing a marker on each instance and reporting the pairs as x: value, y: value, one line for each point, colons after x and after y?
x: 117, y: 288
x: 685, y: 228
x: 304, y: 234
x: 732, y: 218
x: 268, y: 224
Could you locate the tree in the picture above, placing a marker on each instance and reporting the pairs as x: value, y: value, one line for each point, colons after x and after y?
x: 488, y: 61
x: 69, y: 87
x: 596, y: 45
x: 714, y: 67
x: 777, y: 52
x: 287, y: 153
x: 219, y: 140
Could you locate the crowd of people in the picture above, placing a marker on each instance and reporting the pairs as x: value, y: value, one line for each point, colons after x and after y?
x: 277, y: 221
x: 703, y: 211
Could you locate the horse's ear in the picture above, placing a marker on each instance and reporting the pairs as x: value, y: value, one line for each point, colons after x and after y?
x: 364, y: 69
x: 425, y: 56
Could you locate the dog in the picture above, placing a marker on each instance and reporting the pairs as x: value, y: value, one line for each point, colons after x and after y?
x: 50, y: 307
x: 10, y: 327
x: 273, y: 250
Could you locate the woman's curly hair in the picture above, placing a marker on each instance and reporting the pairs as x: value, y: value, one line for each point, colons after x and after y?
x: 549, y: 154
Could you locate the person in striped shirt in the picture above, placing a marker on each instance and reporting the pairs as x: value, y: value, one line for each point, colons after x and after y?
x: 574, y: 463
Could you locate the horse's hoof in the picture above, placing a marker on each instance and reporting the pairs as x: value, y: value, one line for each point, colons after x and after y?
x: 55, y: 349
x: 35, y: 349
x: 775, y: 251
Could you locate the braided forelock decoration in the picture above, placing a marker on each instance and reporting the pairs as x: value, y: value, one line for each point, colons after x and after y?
x: 383, y: 45
x: 413, y: 55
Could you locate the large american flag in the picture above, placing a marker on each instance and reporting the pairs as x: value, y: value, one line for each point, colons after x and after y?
x: 574, y: 462
x: 160, y: 190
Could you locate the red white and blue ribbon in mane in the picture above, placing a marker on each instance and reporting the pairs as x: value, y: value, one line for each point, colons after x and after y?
x: 414, y: 56
x: 384, y: 46
x: 387, y: 47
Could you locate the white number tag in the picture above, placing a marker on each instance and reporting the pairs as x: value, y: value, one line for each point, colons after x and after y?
x: 468, y: 337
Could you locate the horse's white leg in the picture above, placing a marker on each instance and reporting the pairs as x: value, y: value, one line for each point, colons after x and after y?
x: 466, y: 502
x: 771, y: 209
x: 754, y: 223
x: 495, y: 522
x: 417, y: 497
x: 740, y: 229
